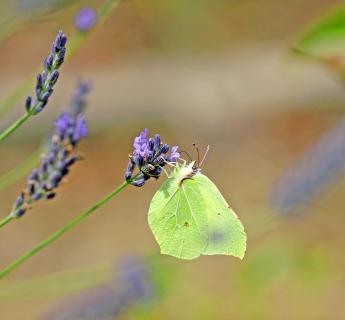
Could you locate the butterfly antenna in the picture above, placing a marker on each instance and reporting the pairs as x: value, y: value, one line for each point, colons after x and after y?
x: 205, y: 154
x: 198, y: 153
x: 187, y: 154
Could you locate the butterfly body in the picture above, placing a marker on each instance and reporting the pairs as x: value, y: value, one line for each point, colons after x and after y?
x: 189, y: 217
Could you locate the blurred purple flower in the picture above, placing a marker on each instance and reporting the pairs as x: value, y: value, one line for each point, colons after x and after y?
x: 78, y: 101
x: 85, y: 19
x: 321, y: 165
x: 55, y: 164
x: 67, y: 126
x: 61, y: 124
x: 132, y: 285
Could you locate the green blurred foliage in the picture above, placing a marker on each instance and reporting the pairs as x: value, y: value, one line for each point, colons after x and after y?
x: 326, y: 37
x: 284, y: 271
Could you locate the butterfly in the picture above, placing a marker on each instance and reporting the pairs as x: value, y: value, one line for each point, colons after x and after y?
x: 189, y: 217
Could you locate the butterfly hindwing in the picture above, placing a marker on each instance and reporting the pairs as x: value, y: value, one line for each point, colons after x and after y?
x: 225, y: 231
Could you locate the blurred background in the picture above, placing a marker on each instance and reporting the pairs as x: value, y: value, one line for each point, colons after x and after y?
x: 218, y: 72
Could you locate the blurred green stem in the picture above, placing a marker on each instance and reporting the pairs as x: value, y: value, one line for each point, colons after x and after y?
x: 14, y: 126
x: 5, y: 221
x: 56, y: 235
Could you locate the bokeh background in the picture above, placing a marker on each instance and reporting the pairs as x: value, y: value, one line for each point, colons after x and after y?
x: 217, y: 72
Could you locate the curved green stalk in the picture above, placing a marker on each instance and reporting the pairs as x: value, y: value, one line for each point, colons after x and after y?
x: 5, y: 220
x: 56, y: 235
x: 14, y: 126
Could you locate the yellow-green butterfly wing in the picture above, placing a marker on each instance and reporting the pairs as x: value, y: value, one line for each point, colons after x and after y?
x: 189, y: 217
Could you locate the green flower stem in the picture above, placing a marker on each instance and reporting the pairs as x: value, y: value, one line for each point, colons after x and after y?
x: 56, y: 235
x: 14, y: 126
x: 5, y: 220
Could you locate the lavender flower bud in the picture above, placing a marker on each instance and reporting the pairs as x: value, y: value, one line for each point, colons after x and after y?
x: 80, y: 129
x: 53, y: 77
x: 130, y: 169
x: 36, y: 196
x: 139, y: 160
x: 70, y: 161
x: 33, y: 175
x: 18, y: 213
x: 31, y: 188
x: 50, y: 195
x: 139, y: 181
x: 174, y: 154
x: 59, y: 42
x: 44, y: 97
x: 151, y: 145
x: 156, y: 172
x: 28, y: 103
x: 164, y: 149
x: 19, y: 201
x: 157, y: 142
x: 48, y: 62
x: 159, y: 160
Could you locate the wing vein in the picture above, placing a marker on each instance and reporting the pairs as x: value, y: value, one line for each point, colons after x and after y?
x: 191, y: 211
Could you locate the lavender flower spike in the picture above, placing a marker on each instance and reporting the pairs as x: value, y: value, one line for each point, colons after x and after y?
x: 48, y: 78
x: 42, y: 182
x: 150, y: 156
x: 133, y: 285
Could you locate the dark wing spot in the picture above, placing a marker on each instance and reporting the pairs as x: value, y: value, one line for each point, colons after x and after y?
x: 186, y: 224
x: 218, y: 213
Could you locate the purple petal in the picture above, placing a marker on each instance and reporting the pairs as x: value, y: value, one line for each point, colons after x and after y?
x: 80, y: 130
x: 174, y: 155
x: 62, y: 123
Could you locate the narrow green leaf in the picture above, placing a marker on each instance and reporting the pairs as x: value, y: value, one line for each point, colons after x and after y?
x: 325, y: 37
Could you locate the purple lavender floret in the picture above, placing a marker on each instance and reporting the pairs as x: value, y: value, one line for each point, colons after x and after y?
x: 141, y: 144
x: 47, y: 79
x: 85, y: 19
x: 149, y: 156
x: 42, y: 182
x: 174, y: 155
x: 70, y: 127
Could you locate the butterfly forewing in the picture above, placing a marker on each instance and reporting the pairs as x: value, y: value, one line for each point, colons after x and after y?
x: 177, y: 221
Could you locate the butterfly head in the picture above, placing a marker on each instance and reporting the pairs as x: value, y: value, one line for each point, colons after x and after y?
x: 185, y: 171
